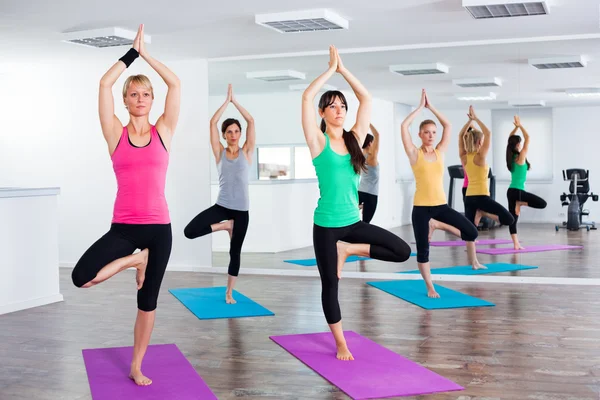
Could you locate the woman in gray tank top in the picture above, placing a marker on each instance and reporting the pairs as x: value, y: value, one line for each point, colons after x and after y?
x: 230, y: 213
x: 368, y: 190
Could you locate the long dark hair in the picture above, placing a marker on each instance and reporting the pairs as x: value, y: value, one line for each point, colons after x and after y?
x: 512, y: 153
x: 356, y: 155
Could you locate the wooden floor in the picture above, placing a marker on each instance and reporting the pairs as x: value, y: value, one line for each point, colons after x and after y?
x: 539, y: 342
x: 560, y: 264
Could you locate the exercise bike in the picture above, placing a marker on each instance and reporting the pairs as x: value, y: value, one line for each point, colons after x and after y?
x: 579, y: 193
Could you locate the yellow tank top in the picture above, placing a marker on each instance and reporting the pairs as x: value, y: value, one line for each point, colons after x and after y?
x: 478, y: 177
x: 429, y: 179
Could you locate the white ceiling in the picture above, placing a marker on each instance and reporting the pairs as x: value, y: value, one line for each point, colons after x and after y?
x: 224, y: 31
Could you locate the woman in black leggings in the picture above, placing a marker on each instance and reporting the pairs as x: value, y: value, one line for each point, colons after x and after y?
x: 338, y: 161
x: 140, y: 156
x: 427, y: 163
x: 473, y: 149
x: 518, y: 165
x: 230, y: 213
x: 368, y: 190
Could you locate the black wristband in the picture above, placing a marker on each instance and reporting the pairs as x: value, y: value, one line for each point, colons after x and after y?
x: 129, y: 57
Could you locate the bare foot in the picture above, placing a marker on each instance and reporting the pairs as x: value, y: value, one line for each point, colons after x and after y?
x: 141, y: 268
x: 343, y: 353
x: 431, y: 293
x: 342, y: 256
x: 139, y: 378
x: 478, y: 265
x: 229, y: 298
x: 518, y: 246
x: 432, y: 229
x: 517, y: 208
x: 229, y: 228
x: 477, y: 218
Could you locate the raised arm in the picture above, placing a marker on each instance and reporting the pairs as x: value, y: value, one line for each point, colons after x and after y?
x: 312, y: 133
x: 525, y: 148
x: 215, y: 138
x: 409, y: 146
x: 516, y: 123
x: 446, y: 126
x: 487, y: 134
x: 167, y: 122
x: 250, y: 143
x: 374, y: 145
x: 363, y: 115
x: 461, y: 138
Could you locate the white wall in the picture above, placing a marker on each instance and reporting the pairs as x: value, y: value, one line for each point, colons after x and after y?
x: 51, y: 137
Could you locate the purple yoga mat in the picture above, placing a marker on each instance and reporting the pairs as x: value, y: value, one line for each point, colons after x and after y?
x: 173, y: 377
x: 528, y: 249
x: 376, y: 372
x: 482, y: 242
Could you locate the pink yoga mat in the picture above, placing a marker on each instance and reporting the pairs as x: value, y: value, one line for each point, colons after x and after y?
x: 481, y: 242
x: 173, y: 377
x: 528, y: 249
x: 376, y: 372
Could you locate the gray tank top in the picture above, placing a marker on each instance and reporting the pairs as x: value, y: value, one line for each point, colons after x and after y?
x: 233, y: 182
x: 369, y: 180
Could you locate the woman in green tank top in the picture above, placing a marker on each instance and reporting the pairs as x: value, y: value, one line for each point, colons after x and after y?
x: 338, y: 231
x: 518, y: 165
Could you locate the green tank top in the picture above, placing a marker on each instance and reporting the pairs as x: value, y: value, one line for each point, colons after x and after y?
x: 338, y: 189
x: 518, y: 176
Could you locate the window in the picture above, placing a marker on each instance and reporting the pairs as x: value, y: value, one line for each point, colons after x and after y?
x: 274, y: 163
x: 285, y: 163
x: 303, y: 166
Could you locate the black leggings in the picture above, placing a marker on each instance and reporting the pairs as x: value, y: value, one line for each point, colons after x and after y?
x: 443, y: 213
x: 369, y: 202
x: 122, y: 240
x: 201, y: 225
x: 486, y: 204
x: 385, y: 246
x: 515, y: 195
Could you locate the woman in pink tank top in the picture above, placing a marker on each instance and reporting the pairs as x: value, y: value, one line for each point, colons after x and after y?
x: 140, y: 156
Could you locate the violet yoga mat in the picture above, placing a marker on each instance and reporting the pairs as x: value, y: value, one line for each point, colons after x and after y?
x: 173, y: 377
x: 528, y: 249
x: 376, y: 372
x: 481, y: 242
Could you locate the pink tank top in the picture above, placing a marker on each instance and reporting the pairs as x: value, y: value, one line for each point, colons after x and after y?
x: 141, y: 175
x: 466, y: 180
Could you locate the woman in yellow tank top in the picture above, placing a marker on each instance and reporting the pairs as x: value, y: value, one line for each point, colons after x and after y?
x: 427, y: 163
x: 473, y: 147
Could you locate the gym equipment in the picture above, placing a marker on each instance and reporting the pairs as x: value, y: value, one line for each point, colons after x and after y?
x: 457, y: 172
x: 579, y: 193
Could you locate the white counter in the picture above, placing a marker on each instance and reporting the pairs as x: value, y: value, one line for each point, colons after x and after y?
x: 28, y: 248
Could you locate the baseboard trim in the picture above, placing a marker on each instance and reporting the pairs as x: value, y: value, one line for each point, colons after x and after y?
x: 24, y: 305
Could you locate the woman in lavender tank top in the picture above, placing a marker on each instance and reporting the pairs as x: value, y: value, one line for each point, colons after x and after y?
x: 140, y: 155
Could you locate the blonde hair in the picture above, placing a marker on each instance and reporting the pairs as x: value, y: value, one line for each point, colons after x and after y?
x: 471, y: 138
x: 140, y: 80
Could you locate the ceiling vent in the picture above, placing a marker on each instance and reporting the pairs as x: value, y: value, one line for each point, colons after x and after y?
x: 276, y: 76
x: 485, y: 9
x: 419, y: 69
x: 105, y: 37
x: 476, y: 96
x: 303, y: 86
x: 558, y: 62
x: 477, y: 82
x: 535, y: 103
x: 302, y: 21
x: 583, y: 92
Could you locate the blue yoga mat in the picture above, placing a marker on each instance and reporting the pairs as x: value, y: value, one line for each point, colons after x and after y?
x: 414, y: 291
x: 311, y: 262
x: 468, y: 270
x: 209, y: 303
